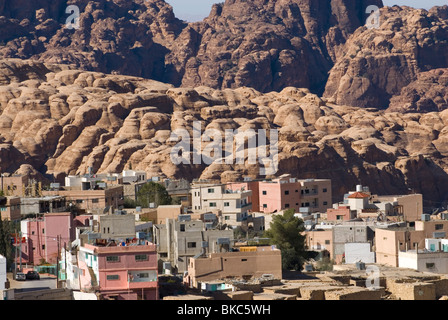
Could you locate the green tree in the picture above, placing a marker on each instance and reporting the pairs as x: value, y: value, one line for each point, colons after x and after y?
x: 6, y: 248
x: 286, y: 233
x: 153, y: 192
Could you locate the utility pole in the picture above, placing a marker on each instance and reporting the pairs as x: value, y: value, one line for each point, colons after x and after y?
x: 20, y: 251
x: 57, y: 265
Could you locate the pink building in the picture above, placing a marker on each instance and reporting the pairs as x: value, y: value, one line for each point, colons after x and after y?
x: 120, y: 272
x: 342, y: 213
x: 279, y: 194
x: 44, y: 236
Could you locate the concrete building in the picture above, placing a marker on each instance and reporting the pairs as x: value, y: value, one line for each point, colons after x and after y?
x: 10, y: 208
x: 99, y: 200
x: 251, y: 263
x: 389, y: 242
x: 41, y: 205
x: 232, y: 206
x: 116, y: 226
x: 45, y: 235
x: 177, y: 241
x: 119, y: 272
x: 349, y: 233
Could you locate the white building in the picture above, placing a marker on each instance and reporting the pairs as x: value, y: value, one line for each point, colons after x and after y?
x: 359, y: 252
x: 2, y: 273
x: 424, y: 261
x: 232, y: 205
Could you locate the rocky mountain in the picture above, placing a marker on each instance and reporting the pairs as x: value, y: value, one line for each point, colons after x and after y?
x: 380, y: 64
x: 263, y: 44
x: 58, y: 119
x: 266, y: 45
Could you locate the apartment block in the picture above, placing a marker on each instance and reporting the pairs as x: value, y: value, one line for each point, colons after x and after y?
x: 119, y: 272
x: 178, y: 241
x: 285, y: 192
x: 116, y: 226
x: 316, y: 194
x: 232, y: 206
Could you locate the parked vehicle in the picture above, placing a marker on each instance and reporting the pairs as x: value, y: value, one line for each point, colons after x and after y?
x: 20, y: 276
x: 32, y: 275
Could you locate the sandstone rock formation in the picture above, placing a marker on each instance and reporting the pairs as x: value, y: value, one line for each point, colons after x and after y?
x: 266, y: 45
x: 56, y: 119
x: 379, y: 63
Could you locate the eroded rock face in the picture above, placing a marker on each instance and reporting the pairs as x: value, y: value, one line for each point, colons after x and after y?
x: 56, y: 119
x: 379, y: 63
x: 266, y: 45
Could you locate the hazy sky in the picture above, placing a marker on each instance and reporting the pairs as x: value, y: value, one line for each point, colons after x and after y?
x: 195, y: 10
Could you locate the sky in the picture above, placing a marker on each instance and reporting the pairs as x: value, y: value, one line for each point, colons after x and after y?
x: 196, y: 10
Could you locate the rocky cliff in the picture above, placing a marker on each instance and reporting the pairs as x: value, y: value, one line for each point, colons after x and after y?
x: 58, y: 119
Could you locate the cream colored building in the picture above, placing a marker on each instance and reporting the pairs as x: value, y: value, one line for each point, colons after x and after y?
x: 232, y: 205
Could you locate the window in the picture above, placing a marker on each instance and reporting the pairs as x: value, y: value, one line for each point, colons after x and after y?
x: 265, y: 193
x: 226, y: 217
x: 327, y: 241
x: 113, y: 259
x: 226, y: 204
x: 211, y: 190
x: 265, y: 205
x: 324, y: 190
x: 286, y: 205
x: 430, y: 265
x: 43, y: 247
x: 43, y: 231
x: 191, y: 244
x: 439, y: 226
x: 95, y: 200
x: 243, y: 259
x: 78, y: 201
x: 182, y: 227
x: 113, y: 277
x: 286, y: 192
x: 141, y: 257
x: 325, y: 203
x: 297, y: 191
x: 212, y: 204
